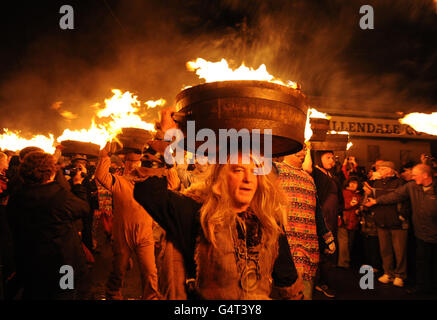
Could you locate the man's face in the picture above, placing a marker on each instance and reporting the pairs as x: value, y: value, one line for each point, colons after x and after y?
x: 418, y: 176
x: 385, y: 171
x: 242, y: 184
x: 328, y: 161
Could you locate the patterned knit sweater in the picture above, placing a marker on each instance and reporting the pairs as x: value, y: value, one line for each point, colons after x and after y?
x: 301, y: 228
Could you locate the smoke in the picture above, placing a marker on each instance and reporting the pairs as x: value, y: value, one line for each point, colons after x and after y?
x: 143, y: 46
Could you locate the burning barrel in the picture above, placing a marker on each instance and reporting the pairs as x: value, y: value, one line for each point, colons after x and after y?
x: 133, y: 140
x: 248, y: 105
x: 319, y: 127
x: 72, y: 147
x: 333, y: 142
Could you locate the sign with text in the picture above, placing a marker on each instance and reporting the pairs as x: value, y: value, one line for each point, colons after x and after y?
x: 374, y: 127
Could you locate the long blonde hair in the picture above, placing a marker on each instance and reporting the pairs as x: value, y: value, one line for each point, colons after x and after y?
x: 268, y: 203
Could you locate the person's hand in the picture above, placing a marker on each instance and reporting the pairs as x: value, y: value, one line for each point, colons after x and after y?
x: 331, y: 248
x: 58, y: 152
x: 297, y: 289
x: 109, y: 149
x: 367, y: 190
x: 173, y: 181
x: 370, y: 202
x: 167, y: 121
x: 79, y: 177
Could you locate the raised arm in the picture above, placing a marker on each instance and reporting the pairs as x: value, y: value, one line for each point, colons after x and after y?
x: 102, y: 173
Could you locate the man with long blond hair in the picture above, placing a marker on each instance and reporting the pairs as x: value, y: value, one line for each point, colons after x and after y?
x: 229, y: 229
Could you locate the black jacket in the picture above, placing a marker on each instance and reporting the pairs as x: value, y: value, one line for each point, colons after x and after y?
x: 322, y: 182
x: 45, y: 237
x: 387, y: 215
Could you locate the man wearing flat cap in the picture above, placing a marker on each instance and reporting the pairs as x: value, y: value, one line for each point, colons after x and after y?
x: 392, y: 225
x: 422, y: 192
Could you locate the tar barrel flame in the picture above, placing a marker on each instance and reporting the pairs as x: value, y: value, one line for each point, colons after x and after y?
x: 349, y: 145
x: 308, y: 131
x: 421, y: 122
x: 12, y: 140
x: 220, y: 71
x: 122, y: 110
x: 313, y: 113
x: 154, y: 103
x: 338, y: 132
x: 93, y: 134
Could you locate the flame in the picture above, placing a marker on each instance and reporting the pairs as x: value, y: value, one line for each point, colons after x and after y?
x: 220, y: 71
x: 338, y: 132
x: 422, y: 122
x: 120, y: 111
x: 155, y: 103
x: 93, y: 134
x: 349, y: 145
x: 308, y: 131
x: 11, y: 140
x: 314, y: 113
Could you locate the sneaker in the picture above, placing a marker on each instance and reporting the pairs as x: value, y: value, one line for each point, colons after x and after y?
x: 385, y: 278
x: 398, y: 282
x: 325, y: 290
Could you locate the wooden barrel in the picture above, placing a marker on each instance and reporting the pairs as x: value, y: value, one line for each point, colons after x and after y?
x: 72, y: 147
x: 319, y: 127
x: 133, y: 140
x: 248, y: 105
x: 333, y: 142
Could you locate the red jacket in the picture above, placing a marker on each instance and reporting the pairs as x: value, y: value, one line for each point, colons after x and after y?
x: 352, y: 201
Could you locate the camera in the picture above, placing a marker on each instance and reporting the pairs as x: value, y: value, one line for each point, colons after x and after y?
x: 73, y: 171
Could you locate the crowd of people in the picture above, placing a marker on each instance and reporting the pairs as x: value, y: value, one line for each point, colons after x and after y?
x: 214, y: 231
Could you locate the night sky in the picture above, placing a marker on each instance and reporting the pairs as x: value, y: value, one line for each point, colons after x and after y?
x: 143, y: 46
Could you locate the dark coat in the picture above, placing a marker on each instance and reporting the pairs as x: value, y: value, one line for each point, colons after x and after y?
x: 45, y: 237
x: 323, y: 185
x: 387, y: 215
x: 424, y: 208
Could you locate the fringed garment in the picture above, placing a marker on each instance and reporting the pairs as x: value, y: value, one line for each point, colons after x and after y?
x: 300, y: 228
